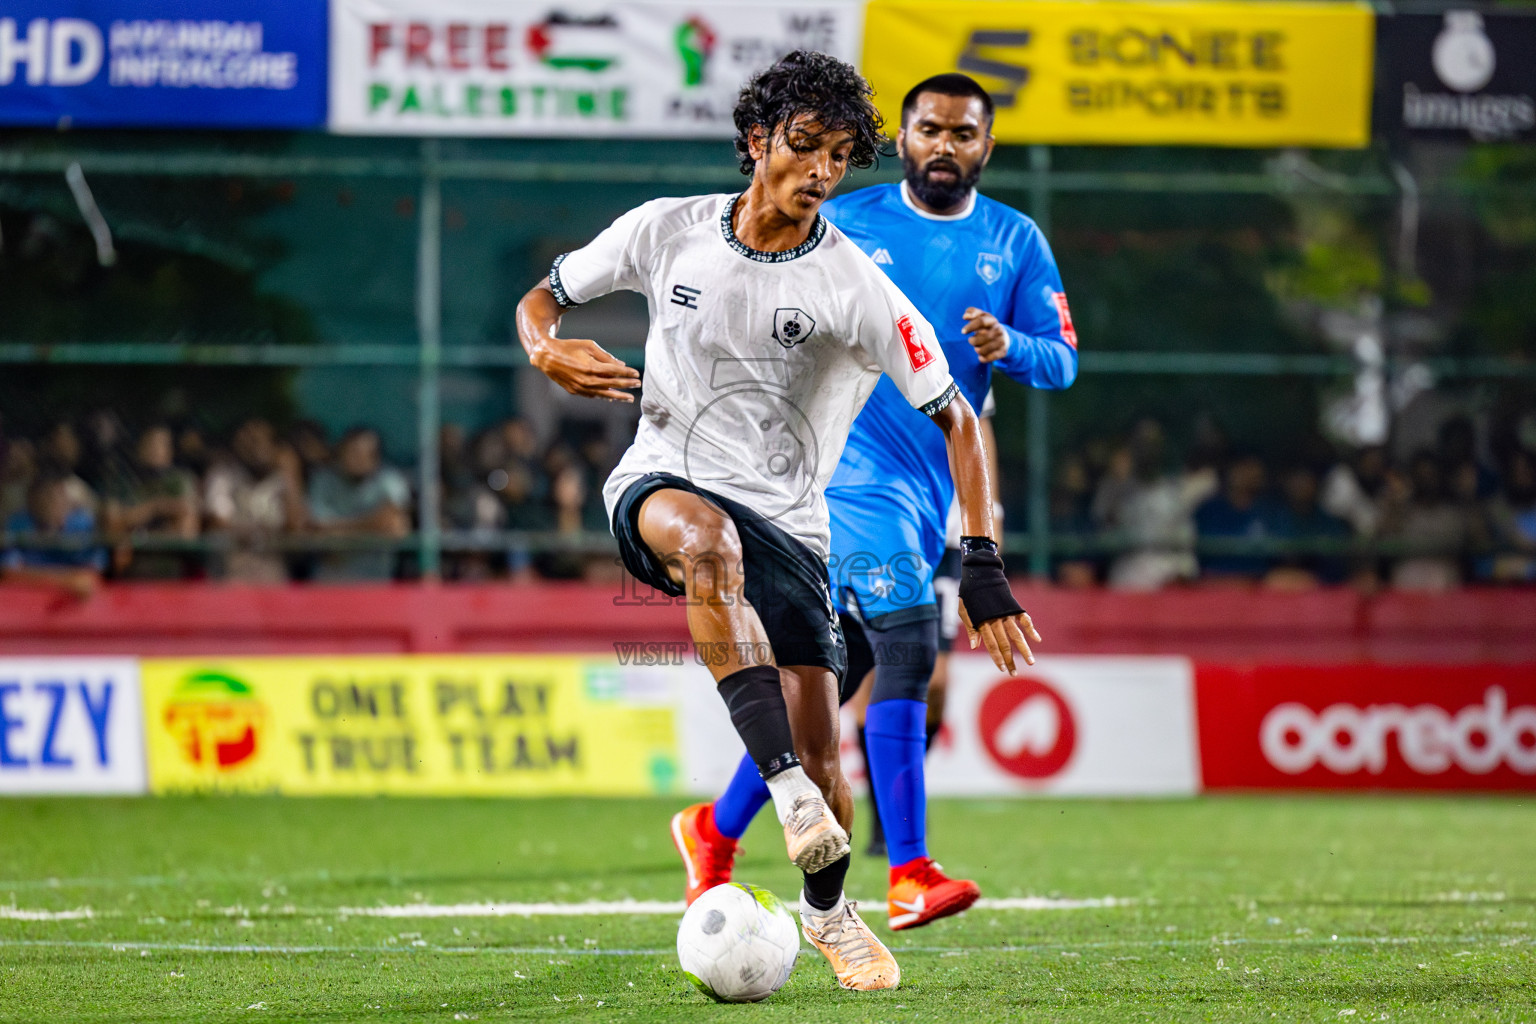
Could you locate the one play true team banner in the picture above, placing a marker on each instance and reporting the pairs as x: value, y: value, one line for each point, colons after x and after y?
x: 460, y: 725
x: 1068, y: 72
x: 163, y: 63
x: 494, y: 67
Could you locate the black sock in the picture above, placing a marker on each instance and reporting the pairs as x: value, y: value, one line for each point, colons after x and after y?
x: 933, y: 730
x: 876, y: 830
x: 824, y: 888
x: 755, y: 698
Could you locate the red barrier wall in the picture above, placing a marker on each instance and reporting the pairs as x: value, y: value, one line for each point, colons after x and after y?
x: 1221, y: 624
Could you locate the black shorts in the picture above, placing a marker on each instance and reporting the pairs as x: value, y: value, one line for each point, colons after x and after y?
x: 785, y: 581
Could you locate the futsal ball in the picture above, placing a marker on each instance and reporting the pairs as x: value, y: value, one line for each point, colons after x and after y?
x: 738, y: 943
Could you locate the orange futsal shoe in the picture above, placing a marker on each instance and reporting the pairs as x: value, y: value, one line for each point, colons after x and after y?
x: 859, y: 960
x: 707, y: 855
x: 922, y: 893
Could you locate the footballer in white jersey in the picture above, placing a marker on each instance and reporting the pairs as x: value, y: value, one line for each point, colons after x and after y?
x: 768, y: 331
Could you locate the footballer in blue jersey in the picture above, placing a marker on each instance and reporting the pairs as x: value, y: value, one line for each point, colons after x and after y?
x: 984, y: 277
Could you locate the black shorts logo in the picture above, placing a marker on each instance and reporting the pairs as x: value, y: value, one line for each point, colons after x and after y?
x: 792, y: 326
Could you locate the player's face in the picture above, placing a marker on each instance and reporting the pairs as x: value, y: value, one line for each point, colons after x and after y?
x: 801, y: 164
x: 944, y: 144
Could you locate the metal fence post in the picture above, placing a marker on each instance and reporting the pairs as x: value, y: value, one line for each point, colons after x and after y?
x: 429, y: 327
x: 1039, y: 401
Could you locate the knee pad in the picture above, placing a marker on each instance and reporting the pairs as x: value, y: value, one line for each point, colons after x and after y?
x: 904, y: 659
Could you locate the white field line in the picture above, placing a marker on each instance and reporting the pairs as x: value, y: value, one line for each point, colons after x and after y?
x: 590, y: 908
x: 27, y: 914
x: 1054, y: 950
x: 667, y: 907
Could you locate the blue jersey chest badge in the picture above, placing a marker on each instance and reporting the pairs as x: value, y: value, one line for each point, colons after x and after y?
x: 990, y: 267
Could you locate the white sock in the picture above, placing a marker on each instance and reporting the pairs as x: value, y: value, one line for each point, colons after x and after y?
x: 787, y: 787
x: 806, y: 910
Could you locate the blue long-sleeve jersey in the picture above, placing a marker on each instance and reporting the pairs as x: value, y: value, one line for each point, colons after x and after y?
x: 991, y: 257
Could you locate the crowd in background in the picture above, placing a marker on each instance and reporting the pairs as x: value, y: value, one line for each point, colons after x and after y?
x: 94, y: 500
x: 80, y: 502
x: 1446, y: 515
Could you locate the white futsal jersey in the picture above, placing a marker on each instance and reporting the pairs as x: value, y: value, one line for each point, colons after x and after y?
x: 756, y: 362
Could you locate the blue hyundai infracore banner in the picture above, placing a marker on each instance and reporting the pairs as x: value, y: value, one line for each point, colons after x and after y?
x: 153, y: 63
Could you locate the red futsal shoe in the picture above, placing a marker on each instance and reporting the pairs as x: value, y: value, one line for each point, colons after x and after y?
x: 707, y: 855
x: 921, y: 893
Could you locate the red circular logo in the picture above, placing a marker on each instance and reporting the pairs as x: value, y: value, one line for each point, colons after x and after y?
x: 1027, y: 728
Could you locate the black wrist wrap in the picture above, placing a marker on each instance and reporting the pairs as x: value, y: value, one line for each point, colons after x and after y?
x: 983, y: 587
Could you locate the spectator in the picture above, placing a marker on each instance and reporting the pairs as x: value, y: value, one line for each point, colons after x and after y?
x: 308, y: 440
x: 1355, y: 490
x: 72, y: 562
x: 1301, y: 519
x: 1513, y: 517
x: 1457, y: 451
x: 17, y: 471
x: 1239, y: 511
x: 1151, y: 510
x: 1437, y: 529
x: 253, y: 495
x: 60, y: 453
x: 359, y: 496
x: 151, y: 497
x: 468, y: 505
x: 1071, y: 504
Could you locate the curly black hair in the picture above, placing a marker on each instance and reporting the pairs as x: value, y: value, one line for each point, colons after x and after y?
x: 807, y: 82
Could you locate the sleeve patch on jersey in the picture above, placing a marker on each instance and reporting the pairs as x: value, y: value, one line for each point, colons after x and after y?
x: 917, y: 353
x: 1068, y: 332
x: 556, y: 288
x: 941, y: 403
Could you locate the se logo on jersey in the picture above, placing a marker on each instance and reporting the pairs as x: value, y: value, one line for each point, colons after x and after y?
x: 792, y: 326
x: 917, y: 353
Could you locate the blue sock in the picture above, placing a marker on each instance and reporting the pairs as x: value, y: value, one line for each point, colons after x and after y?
x: 741, y: 801
x: 894, y: 730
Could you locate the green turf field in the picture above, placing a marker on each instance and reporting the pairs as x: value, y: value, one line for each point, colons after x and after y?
x: 1308, y: 908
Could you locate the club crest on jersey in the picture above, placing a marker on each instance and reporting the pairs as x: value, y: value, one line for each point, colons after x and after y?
x: 917, y: 353
x: 792, y: 326
x: 989, y: 265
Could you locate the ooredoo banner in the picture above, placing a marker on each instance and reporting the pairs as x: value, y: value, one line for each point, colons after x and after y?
x: 70, y: 725
x: 451, y: 725
x: 163, y: 63
x: 1066, y: 71
x: 1368, y: 726
x: 584, y: 68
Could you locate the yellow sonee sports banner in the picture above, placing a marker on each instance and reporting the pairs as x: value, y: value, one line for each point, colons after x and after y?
x: 1220, y: 74
x: 502, y: 725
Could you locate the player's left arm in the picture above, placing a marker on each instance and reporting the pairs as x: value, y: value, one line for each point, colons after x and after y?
x: 910, y: 355
x: 1038, y: 344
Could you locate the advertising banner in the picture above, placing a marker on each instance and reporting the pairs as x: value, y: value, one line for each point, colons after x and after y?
x: 1067, y: 725
x: 154, y: 63
x: 494, y: 67
x: 1466, y: 75
x: 70, y: 725
x: 452, y: 725
x: 1368, y: 726
x: 1215, y: 74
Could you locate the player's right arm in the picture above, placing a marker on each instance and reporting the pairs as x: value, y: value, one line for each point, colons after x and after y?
x: 608, y: 263
x: 579, y: 365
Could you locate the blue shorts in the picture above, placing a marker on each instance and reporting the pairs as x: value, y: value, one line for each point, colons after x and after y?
x: 883, y: 557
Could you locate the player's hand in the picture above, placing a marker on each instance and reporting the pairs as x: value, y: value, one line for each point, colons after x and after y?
x: 987, y: 336
x: 1001, y: 636
x: 583, y: 368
